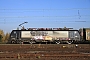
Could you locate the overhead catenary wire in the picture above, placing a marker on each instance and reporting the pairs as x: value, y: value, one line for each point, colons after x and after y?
x: 46, y: 9
x: 16, y: 10
x: 42, y: 11
x: 39, y: 16
x: 46, y: 20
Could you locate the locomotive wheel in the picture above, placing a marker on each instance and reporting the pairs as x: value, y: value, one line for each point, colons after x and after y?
x: 70, y: 42
x: 13, y: 41
x: 57, y: 42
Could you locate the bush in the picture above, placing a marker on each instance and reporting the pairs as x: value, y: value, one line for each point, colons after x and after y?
x: 3, y: 37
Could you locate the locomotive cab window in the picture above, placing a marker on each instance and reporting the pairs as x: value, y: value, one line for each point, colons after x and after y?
x: 76, y: 34
x: 14, y: 32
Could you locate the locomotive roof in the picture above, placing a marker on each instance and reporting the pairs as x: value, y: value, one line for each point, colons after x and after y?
x: 44, y: 30
x: 47, y: 29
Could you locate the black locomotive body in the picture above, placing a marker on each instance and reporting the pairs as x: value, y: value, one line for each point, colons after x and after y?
x: 55, y: 36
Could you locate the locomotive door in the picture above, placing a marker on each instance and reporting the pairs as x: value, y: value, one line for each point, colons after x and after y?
x: 71, y: 35
x: 17, y: 35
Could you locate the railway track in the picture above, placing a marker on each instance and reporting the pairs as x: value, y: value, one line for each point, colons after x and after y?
x: 44, y: 52
x: 43, y: 47
x: 44, y: 56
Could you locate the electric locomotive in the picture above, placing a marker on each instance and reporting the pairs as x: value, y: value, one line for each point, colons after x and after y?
x: 54, y: 35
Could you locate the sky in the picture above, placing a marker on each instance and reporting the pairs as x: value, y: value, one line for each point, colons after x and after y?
x: 44, y: 14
